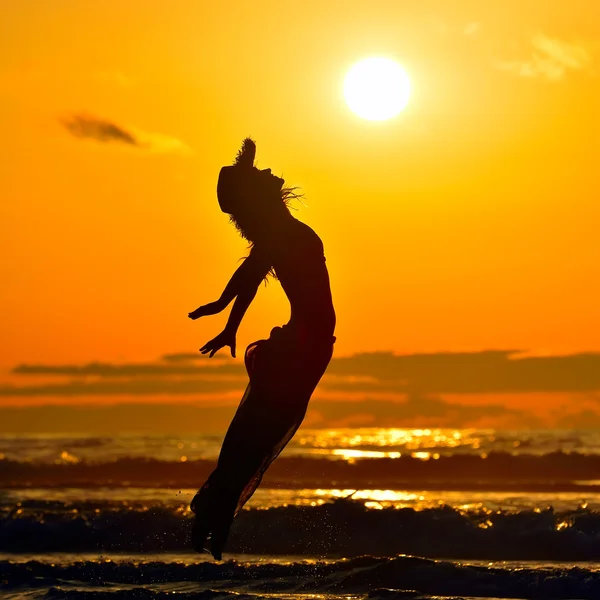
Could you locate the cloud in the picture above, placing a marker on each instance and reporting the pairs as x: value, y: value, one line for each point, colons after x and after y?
x: 84, y: 126
x: 485, y: 372
x: 585, y: 419
x: 163, y: 418
x: 416, y: 411
x: 127, y: 387
x: 183, y: 356
x: 492, y: 371
x: 551, y: 59
x: 160, y: 143
x: 108, y: 370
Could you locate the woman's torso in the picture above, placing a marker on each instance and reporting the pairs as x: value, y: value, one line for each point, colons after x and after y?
x: 299, y: 262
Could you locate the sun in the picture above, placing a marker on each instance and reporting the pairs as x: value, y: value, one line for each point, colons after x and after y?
x: 377, y: 88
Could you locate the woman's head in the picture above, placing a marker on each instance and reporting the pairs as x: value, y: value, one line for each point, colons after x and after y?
x: 253, y: 198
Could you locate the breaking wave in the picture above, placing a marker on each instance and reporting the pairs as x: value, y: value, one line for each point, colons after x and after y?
x: 339, y: 528
x: 372, y: 577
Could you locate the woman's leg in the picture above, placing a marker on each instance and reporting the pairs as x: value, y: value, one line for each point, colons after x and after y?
x: 256, y: 436
x: 269, y: 414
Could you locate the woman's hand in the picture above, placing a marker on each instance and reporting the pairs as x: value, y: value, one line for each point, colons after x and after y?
x: 212, y: 308
x: 225, y: 338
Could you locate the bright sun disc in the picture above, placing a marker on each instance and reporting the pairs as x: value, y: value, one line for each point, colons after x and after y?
x: 377, y: 88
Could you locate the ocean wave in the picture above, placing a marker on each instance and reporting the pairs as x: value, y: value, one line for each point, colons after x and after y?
x: 339, y: 528
x: 372, y: 577
x: 497, y: 470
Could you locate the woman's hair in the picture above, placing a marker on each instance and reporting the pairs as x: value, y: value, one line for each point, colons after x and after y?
x: 289, y: 194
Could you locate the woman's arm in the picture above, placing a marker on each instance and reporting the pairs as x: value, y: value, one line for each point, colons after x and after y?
x: 247, y: 276
x: 243, y: 286
x: 227, y: 336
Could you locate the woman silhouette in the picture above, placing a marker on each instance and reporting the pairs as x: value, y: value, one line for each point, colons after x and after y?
x: 284, y: 369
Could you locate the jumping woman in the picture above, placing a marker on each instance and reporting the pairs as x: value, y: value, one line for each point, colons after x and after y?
x: 284, y: 369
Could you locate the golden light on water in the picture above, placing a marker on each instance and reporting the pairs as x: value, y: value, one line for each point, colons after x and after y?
x: 351, y: 454
x: 425, y: 455
x: 67, y: 457
x: 377, y: 499
x: 382, y: 442
x: 377, y: 89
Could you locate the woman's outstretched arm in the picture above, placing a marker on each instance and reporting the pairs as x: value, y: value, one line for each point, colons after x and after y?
x: 243, y: 287
x: 248, y: 275
x: 227, y: 336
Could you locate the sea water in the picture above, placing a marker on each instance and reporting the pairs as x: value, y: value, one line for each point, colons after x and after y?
x: 347, y: 513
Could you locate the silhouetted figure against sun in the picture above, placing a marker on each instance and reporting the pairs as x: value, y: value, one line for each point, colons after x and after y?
x: 284, y: 369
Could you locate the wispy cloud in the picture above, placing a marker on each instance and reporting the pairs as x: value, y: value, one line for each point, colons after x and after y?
x: 185, y: 357
x: 550, y: 59
x: 160, y: 143
x: 166, y: 368
x: 84, y: 126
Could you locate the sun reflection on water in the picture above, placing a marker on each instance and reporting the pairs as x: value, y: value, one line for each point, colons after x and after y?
x: 351, y: 453
x: 68, y: 458
x: 394, y: 440
x: 308, y: 443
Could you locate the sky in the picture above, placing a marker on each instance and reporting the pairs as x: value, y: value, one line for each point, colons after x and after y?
x: 464, y: 226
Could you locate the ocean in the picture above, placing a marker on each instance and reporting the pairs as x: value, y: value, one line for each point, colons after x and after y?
x: 341, y: 514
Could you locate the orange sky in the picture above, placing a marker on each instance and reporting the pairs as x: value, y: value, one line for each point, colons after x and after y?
x: 470, y: 222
